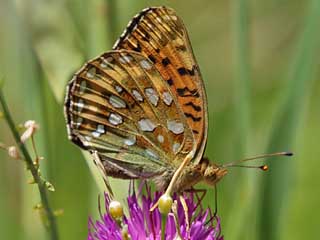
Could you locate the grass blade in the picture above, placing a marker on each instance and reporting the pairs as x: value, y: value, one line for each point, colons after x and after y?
x: 242, y: 89
x: 276, y: 186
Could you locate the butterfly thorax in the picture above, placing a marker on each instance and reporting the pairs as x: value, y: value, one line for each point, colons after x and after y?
x: 204, y: 171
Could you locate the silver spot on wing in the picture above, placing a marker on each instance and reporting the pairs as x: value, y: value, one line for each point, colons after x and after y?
x: 175, y: 147
x: 91, y: 72
x: 160, y: 138
x: 146, y: 125
x: 125, y: 59
x: 167, y: 98
x: 117, y: 102
x: 175, y: 126
x: 152, y: 96
x: 115, y: 119
x: 137, y: 95
x: 145, y: 64
x: 152, y: 154
x: 83, y: 86
x: 130, y: 141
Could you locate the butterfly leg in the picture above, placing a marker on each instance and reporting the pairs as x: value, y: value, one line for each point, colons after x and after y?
x: 176, y: 218
x: 199, y: 199
x: 101, y: 168
x: 216, y: 205
x: 203, y: 193
x: 215, y: 200
x: 185, y: 209
x: 174, y: 178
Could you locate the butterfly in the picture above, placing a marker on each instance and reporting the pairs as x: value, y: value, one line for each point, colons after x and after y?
x: 142, y: 108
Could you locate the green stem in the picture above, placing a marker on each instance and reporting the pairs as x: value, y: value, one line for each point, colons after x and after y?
x: 163, y: 226
x: 52, y: 228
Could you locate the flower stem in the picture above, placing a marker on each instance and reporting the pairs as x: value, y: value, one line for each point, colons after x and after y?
x: 52, y: 226
x: 163, y: 226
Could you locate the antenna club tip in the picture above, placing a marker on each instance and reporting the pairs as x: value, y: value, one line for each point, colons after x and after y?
x: 264, y: 168
x: 289, y: 154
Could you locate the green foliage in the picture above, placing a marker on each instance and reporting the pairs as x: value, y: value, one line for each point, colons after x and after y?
x: 259, y: 62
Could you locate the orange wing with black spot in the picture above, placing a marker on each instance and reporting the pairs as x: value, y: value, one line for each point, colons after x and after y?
x: 160, y: 35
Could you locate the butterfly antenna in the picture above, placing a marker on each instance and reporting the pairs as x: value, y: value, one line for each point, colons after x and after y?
x: 262, y: 167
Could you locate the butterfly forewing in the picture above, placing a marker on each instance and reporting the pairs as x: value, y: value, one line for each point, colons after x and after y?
x: 159, y: 34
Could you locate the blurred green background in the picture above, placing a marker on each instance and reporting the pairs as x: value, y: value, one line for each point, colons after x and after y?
x: 259, y: 60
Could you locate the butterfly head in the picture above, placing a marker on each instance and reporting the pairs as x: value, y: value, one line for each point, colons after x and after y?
x: 213, y: 174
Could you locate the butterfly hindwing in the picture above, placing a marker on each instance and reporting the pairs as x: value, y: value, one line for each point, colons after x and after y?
x: 120, y: 106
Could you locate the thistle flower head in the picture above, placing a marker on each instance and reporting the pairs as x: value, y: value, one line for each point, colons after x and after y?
x: 140, y: 223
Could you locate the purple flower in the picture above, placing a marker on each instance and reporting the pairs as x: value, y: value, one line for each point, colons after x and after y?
x: 143, y: 224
